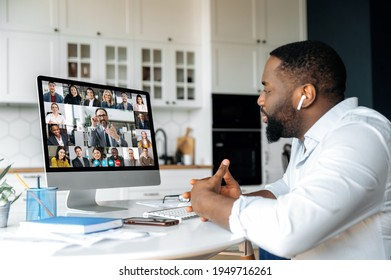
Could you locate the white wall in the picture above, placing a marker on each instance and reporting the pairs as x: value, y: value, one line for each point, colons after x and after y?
x: 20, y: 136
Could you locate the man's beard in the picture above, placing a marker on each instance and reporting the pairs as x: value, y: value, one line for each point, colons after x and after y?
x: 285, y: 126
x: 274, y: 130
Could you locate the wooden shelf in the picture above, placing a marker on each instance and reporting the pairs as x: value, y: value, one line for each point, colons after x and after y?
x: 27, y: 170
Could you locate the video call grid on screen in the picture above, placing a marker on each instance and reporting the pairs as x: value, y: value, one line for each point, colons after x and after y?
x: 133, y: 127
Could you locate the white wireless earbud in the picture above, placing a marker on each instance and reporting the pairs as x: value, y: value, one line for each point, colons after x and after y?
x: 301, y: 102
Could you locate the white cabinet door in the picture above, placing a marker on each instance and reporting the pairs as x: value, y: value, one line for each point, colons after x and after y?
x: 109, y: 19
x: 116, y: 63
x: 243, y: 33
x: 79, y: 58
x: 272, y: 22
x: 170, y: 73
x: 24, y: 56
x: 185, y: 77
x: 176, y: 21
x: 152, y: 71
x: 237, y: 21
x: 27, y: 15
x: 285, y: 21
x: 235, y: 68
x: 99, y: 60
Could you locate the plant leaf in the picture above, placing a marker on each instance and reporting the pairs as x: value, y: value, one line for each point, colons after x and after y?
x: 5, y: 171
x: 16, y: 198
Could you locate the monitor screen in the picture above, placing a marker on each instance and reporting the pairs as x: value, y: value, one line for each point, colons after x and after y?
x: 95, y: 136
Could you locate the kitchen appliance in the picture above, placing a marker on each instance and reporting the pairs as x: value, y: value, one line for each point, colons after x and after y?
x: 236, y: 132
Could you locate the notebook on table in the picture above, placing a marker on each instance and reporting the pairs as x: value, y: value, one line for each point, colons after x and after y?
x: 71, y: 225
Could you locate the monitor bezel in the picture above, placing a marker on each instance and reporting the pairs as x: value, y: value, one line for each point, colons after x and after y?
x: 79, y: 178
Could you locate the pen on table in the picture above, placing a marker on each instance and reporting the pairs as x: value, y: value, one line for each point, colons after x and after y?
x: 34, y: 195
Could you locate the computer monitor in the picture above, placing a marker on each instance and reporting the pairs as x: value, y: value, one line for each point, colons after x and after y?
x: 95, y: 136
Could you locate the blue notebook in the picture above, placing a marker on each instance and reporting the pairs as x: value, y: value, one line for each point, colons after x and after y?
x: 71, y: 224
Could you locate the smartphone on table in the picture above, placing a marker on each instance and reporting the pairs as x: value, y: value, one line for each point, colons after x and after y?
x: 150, y: 221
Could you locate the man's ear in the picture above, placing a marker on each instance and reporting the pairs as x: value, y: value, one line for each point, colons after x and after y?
x: 309, y: 91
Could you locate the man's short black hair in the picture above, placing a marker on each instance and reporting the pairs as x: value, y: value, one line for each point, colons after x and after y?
x: 316, y: 63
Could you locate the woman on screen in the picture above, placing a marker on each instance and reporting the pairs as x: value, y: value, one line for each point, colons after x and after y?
x: 73, y: 97
x: 55, y: 117
x: 98, y: 157
x: 144, y: 142
x: 56, y: 136
x: 108, y: 100
x: 60, y: 159
x: 140, y: 106
x: 132, y: 161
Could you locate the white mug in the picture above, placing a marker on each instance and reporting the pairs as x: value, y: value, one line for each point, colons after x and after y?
x: 187, y: 160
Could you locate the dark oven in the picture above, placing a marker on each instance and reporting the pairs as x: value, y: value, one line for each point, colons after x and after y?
x: 237, y: 136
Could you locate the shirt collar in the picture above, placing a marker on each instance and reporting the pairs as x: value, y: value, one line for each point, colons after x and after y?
x: 316, y: 133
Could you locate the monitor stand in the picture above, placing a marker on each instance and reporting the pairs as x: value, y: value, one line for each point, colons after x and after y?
x: 84, y: 200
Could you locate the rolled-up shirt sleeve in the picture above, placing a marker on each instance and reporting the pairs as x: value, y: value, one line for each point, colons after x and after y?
x: 279, y: 187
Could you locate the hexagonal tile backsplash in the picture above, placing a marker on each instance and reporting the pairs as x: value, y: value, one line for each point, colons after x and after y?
x: 20, y: 135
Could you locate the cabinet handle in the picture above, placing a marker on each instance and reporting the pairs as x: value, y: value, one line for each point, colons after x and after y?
x: 173, y: 102
x: 98, y: 33
x: 169, y: 39
x: 167, y: 102
x: 261, y: 41
x: 56, y: 30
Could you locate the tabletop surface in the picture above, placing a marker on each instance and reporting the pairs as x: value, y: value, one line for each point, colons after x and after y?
x: 191, y: 239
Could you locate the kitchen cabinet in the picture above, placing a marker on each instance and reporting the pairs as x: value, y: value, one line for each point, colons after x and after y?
x: 236, y: 68
x: 244, y: 32
x: 74, y: 57
x: 285, y: 22
x: 168, y: 40
x: 236, y: 21
x: 105, y: 61
x: 272, y: 22
x: 111, y: 19
x: 23, y: 57
x: 108, y: 19
x: 116, y: 59
x: 26, y: 15
x: 175, y: 21
x: 93, y: 40
x: 79, y: 58
x: 170, y: 73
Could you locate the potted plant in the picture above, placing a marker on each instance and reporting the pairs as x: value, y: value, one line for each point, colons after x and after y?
x: 7, y: 197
